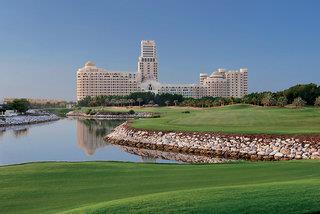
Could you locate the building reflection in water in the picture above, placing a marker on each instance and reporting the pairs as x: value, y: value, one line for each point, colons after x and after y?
x: 90, y: 133
x: 2, y: 131
x: 20, y: 132
x: 17, y: 131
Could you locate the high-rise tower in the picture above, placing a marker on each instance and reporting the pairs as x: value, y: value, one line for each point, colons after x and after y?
x: 148, y: 63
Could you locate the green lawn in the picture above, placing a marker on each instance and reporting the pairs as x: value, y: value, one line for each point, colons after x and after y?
x: 110, y: 187
x: 235, y: 119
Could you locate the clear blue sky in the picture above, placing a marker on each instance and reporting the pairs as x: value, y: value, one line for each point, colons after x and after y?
x: 43, y: 43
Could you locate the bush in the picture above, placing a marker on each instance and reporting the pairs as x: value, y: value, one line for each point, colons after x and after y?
x: 131, y: 111
x: 282, y: 101
x: 186, y: 112
x: 155, y: 115
x: 299, y: 102
x: 317, y: 102
x: 88, y: 111
x: 93, y: 112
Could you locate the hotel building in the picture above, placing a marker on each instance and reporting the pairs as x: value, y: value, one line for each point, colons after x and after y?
x: 93, y: 81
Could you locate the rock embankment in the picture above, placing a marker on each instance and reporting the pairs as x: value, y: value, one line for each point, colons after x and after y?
x: 233, y: 146
x: 111, y: 115
x: 26, y: 119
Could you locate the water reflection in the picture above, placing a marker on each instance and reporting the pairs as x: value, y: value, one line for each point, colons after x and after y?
x: 90, y: 133
x: 20, y: 132
x: 69, y: 139
x: 151, y: 155
x: 2, y: 132
x: 75, y: 139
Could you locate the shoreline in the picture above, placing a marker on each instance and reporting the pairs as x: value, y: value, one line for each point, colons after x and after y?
x: 111, y: 115
x: 229, y: 146
x: 27, y: 120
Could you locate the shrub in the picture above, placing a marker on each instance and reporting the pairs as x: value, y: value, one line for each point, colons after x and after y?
x: 267, y: 100
x: 93, y: 112
x: 131, y: 111
x: 88, y: 111
x: 155, y: 115
x: 282, y: 101
x: 317, y: 102
x: 299, y: 102
x: 186, y: 112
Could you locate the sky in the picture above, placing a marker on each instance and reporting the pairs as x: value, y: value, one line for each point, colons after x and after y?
x: 43, y: 43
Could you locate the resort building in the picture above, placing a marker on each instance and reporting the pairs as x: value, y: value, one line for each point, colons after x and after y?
x: 186, y: 90
x: 147, y: 62
x: 93, y: 81
x: 222, y: 83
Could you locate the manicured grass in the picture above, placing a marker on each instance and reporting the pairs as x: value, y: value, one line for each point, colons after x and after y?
x: 235, y: 119
x: 110, y: 187
x: 61, y: 112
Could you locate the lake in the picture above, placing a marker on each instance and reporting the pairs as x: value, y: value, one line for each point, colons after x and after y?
x: 71, y: 139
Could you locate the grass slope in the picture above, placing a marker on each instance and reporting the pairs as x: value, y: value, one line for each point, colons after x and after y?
x: 236, y: 119
x: 110, y: 187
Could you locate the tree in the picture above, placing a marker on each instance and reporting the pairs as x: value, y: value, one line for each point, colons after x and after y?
x: 131, y: 102
x: 209, y: 103
x: 254, y: 101
x: 282, y: 101
x: 317, y: 102
x: 139, y: 100
x: 161, y: 99
x: 20, y: 105
x: 3, y: 108
x: 267, y: 100
x: 307, y: 92
x: 146, y: 96
x: 299, y: 102
x: 84, y: 102
x: 167, y: 103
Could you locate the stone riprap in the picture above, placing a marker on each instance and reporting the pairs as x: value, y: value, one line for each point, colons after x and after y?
x: 26, y: 119
x: 229, y: 146
x: 111, y: 115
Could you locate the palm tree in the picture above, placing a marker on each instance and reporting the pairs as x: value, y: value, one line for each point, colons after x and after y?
x: 139, y: 100
x: 113, y: 102
x: 208, y: 103
x: 131, y: 102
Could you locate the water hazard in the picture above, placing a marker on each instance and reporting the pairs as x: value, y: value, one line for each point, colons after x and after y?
x: 76, y: 140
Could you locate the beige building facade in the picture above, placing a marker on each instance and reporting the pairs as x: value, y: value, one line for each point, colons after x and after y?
x: 222, y: 83
x: 93, y: 81
x: 147, y: 62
